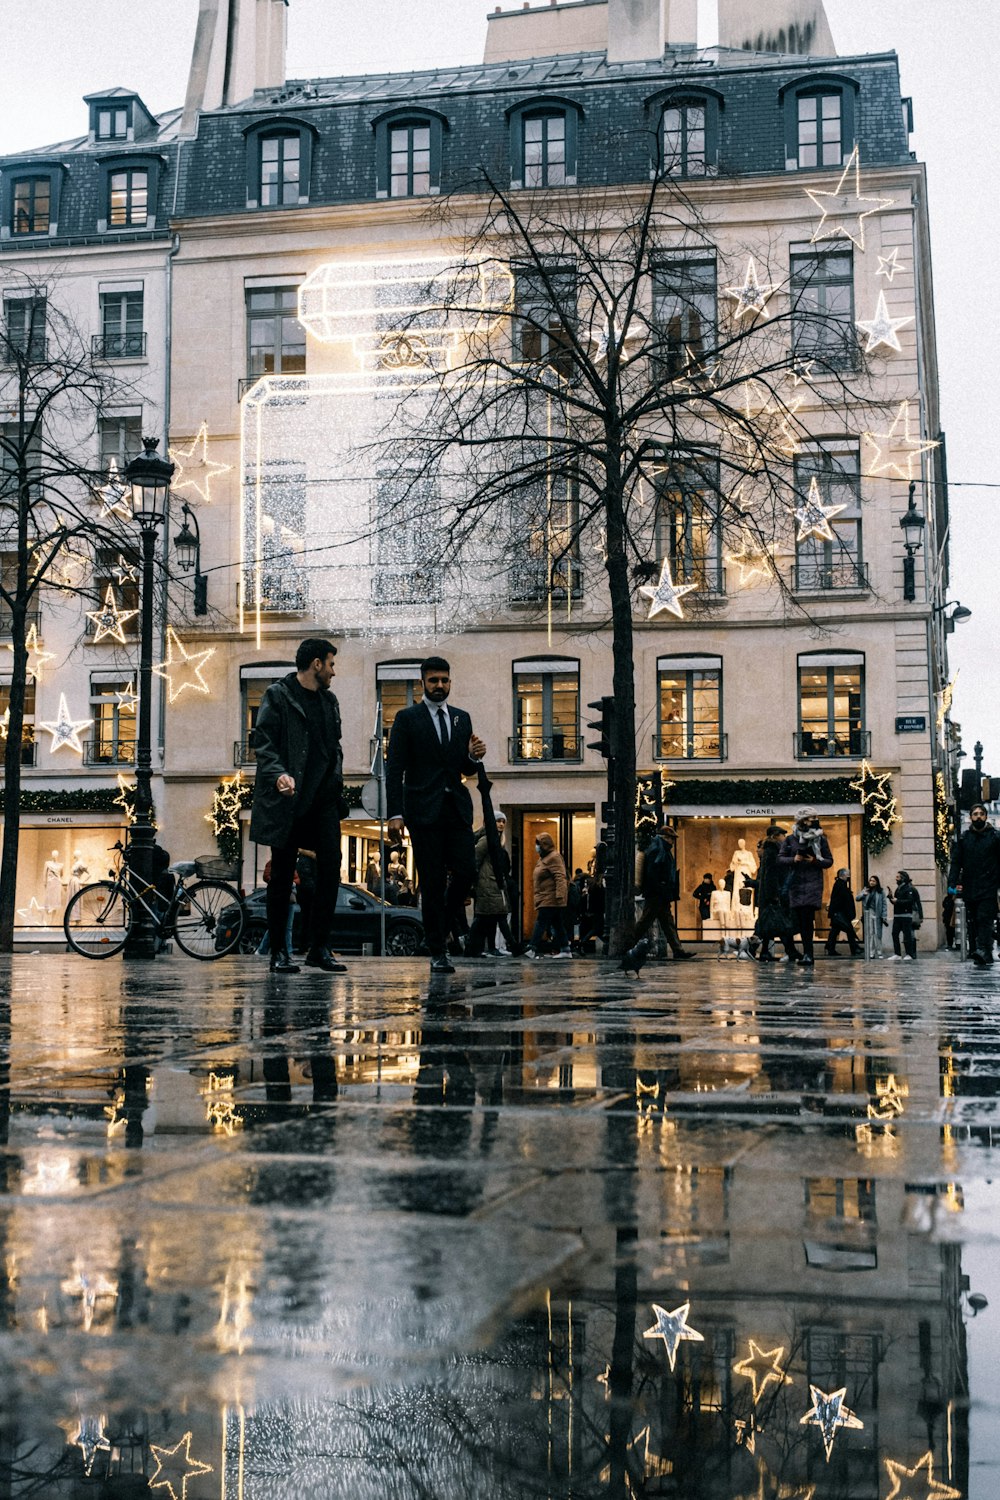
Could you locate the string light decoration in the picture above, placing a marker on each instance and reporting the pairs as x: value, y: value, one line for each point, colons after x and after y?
x: 673, y: 1329
x: 918, y: 1483
x: 746, y: 1433
x: 91, y: 1440
x: 64, y: 730
x: 889, y: 264
x: 881, y: 329
x: 874, y: 788
x: 195, y: 470
x: 113, y: 494
x: 870, y: 785
x: 182, y: 669
x: 109, y: 620
x: 803, y: 371
x: 754, y: 559
x: 889, y: 1097
x: 175, y: 1467
x: 36, y: 656
x: 942, y: 823
x: 752, y: 296
x: 665, y: 595
x: 697, y: 375
x: 127, y: 792
x: 814, y: 517
x: 128, y: 698
x: 947, y: 697
x: 124, y: 571
x: 898, y: 436
x: 841, y: 206
x: 761, y: 1367
x: 773, y: 433
x: 830, y: 1413
x: 226, y: 804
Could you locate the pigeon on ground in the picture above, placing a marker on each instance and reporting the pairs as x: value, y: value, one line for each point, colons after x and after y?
x: 633, y: 960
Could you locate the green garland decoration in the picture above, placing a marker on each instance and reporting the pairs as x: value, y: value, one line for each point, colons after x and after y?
x: 83, y: 800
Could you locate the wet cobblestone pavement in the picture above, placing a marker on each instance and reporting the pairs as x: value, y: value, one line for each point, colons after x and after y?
x: 728, y: 1232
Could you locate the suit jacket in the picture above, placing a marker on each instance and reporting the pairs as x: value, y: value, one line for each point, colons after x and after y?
x: 421, y: 773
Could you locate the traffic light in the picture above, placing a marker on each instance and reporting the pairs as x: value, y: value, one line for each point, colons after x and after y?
x: 970, y: 789
x: 606, y: 709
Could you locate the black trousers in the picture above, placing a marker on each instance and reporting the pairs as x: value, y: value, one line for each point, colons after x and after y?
x: 317, y: 829
x: 803, y: 921
x: 902, y: 927
x: 981, y: 915
x: 840, y: 925
x: 445, y: 854
x: 658, y: 909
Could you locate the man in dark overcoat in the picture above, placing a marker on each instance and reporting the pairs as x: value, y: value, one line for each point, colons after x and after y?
x: 432, y: 746
x: 298, y: 798
x: 975, y: 876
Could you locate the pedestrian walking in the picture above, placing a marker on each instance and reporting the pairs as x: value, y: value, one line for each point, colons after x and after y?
x: 491, y: 898
x: 948, y: 919
x: 874, y: 910
x: 298, y: 798
x: 551, y: 890
x: 592, y: 914
x: 773, y: 919
x: 975, y: 876
x: 432, y: 747
x: 907, y: 915
x: 660, y: 885
x: 805, y: 854
x: 842, y: 912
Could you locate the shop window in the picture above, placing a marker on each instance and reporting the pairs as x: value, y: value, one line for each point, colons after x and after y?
x: 120, y: 440
x: 276, y: 340
x: 122, y: 335
x: 545, y: 316
x: 822, y: 290
x: 688, y: 527
x: 28, y: 729
x: 279, y: 155
x: 128, y: 198
x: 689, y: 709
x: 254, y: 683
x: 546, y: 710
x: 831, y: 707
x: 113, y: 710
x: 684, y: 313
x: 822, y: 565
x: 53, y: 863
x: 408, y: 148
x: 398, y: 685
x: 24, y: 329
x: 32, y: 205
x: 114, y: 568
x: 819, y: 121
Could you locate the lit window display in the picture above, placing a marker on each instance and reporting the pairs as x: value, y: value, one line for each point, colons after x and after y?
x: 53, y: 862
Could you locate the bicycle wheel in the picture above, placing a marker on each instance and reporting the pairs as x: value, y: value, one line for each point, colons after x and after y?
x: 209, y: 920
x: 98, y: 920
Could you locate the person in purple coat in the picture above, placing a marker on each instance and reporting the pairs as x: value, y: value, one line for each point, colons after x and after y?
x: 804, y: 856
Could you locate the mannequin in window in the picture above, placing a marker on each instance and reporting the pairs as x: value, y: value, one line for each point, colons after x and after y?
x: 52, y: 882
x: 78, y: 875
x: 743, y: 864
x: 721, y: 916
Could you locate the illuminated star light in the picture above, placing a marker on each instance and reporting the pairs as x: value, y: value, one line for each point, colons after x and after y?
x: 182, y: 668
x: 814, y: 517
x: 697, y: 374
x: 112, y: 493
x: 226, y: 806
x: 886, y: 816
x: 195, y: 470
x: 126, y: 798
x: 665, y: 595
x: 110, y: 620
x: 64, y: 730
x: 889, y: 264
x: 175, y: 1467
x: 829, y: 1413
x: 36, y: 656
x: 838, y: 206
x: 898, y: 436
x: 753, y: 295
x: 761, y: 1366
x: 904, y: 1486
x: 672, y: 1328
x: 802, y: 370
x: 89, y: 1290
x: 881, y: 329
x: 867, y: 793
x: 91, y: 1440
x: 34, y: 913
x: 947, y: 695
x: 128, y: 698
x: 124, y: 571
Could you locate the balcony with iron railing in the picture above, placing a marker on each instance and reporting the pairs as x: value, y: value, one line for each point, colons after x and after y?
x: 29, y: 749
x: 244, y: 753
x: 32, y: 617
x: 844, y: 576
x: 118, y: 345
x: 562, y: 746
x: 109, y: 752
x: 702, y: 745
x: 846, y: 744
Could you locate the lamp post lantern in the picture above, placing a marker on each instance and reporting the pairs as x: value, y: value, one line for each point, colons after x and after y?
x: 912, y: 524
x: 187, y: 544
x: 149, y: 479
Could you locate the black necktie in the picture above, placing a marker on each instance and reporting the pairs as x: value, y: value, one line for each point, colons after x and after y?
x: 442, y: 726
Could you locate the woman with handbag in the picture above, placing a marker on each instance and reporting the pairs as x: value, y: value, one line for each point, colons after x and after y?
x: 907, y: 915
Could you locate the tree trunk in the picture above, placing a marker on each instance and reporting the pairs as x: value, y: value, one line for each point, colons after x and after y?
x: 12, y: 781
x: 622, y: 909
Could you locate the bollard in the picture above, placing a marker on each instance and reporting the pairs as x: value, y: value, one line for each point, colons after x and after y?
x: 873, y: 935
x: 961, y: 929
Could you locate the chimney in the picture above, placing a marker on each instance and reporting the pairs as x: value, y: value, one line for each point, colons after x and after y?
x: 641, y: 30
x: 798, y: 26
x: 239, y: 47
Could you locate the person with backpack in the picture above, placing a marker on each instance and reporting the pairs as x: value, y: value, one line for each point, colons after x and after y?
x: 907, y: 915
x: 659, y: 884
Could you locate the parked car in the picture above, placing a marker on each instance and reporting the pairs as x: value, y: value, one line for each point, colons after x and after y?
x: 355, y: 924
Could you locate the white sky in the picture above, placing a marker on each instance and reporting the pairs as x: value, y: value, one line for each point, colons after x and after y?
x: 58, y: 50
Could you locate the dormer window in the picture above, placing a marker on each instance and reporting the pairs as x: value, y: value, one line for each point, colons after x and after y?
x: 130, y: 185
x: 29, y: 198
x: 819, y: 121
x: 408, y: 153
x: 543, y: 142
x: 279, y: 162
x: 687, y: 142
x: 119, y: 115
x: 32, y: 205
x: 111, y: 124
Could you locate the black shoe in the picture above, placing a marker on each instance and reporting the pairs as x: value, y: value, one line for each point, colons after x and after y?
x: 832, y: 953
x: 442, y: 964
x: 684, y: 953
x: 322, y: 958
x: 281, y: 963
x: 804, y: 961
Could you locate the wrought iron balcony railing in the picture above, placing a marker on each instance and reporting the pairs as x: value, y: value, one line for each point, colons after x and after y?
x: 563, y: 747
x: 244, y: 753
x: 531, y: 579
x: 702, y: 745
x: 109, y: 752
x: 850, y: 744
x: 817, y: 577
x: 32, y: 617
x: 118, y: 345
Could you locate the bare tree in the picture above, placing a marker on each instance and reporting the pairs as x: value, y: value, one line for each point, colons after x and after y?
x: 57, y: 505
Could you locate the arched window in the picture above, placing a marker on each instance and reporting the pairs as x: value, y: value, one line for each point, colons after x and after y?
x: 544, y: 135
x: 688, y: 131
x: 408, y: 147
x: 130, y: 187
x: 819, y: 121
x: 279, y: 162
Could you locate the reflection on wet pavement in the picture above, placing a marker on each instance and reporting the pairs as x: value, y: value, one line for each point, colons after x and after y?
x: 723, y: 1234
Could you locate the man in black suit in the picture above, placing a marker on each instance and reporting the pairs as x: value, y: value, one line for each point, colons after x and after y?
x: 431, y: 748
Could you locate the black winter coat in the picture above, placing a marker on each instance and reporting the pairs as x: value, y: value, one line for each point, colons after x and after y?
x: 660, y: 879
x: 976, y: 865
x: 281, y: 746
x: 841, y: 902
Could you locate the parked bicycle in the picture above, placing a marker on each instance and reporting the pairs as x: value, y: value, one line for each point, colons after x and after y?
x: 206, y: 917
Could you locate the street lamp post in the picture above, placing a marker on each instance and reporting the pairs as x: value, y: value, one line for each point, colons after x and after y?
x: 912, y: 523
x: 149, y: 480
x: 188, y: 547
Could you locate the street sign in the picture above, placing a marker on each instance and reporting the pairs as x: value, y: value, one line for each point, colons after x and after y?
x: 911, y: 723
x: 373, y: 799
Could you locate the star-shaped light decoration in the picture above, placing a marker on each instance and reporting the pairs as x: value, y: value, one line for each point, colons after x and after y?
x: 761, y: 1366
x: 697, y: 375
x: 918, y: 1483
x: 773, y: 433
x: 34, y: 913
x: 898, y: 436
x: 65, y: 569
x: 947, y: 696
x: 128, y: 698
x: 889, y: 264
x: 113, y: 493
x: 673, y: 1329
x: 175, y: 1467
x: 124, y: 571
x: 109, y: 620
x: 829, y: 1413
x: 195, y: 470
x: 64, y: 730
x: 36, y: 656
x: 862, y: 784
x: 886, y: 816
x: 802, y: 371
x: 814, y: 517
x: 226, y: 804
x: 89, y: 1290
x: 752, y: 296
x: 844, y: 204
x: 889, y: 1097
x: 665, y: 595
x: 91, y: 1440
x: 753, y: 558
x: 182, y: 668
x: 126, y: 798
x: 881, y: 329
